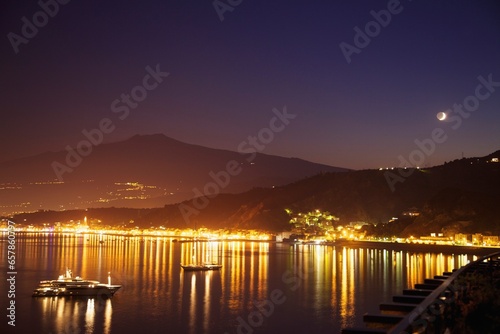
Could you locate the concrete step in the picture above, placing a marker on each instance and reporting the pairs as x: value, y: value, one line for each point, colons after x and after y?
x: 360, y: 330
x: 382, y: 318
x: 407, y: 299
x: 400, y: 307
x: 433, y: 281
x: 420, y: 286
x: 417, y: 292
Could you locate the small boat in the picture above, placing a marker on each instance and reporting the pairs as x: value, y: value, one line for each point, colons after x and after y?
x: 201, y: 267
x: 197, y: 265
x: 67, y: 285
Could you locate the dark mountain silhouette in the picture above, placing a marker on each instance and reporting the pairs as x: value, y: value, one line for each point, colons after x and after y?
x: 460, y: 196
x: 144, y: 171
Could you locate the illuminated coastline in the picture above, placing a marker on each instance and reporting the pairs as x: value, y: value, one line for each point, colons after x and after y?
x: 206, y: 235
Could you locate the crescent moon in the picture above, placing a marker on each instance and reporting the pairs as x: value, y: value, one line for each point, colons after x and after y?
x: 441, y: 116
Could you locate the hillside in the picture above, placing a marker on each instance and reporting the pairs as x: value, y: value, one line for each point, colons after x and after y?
x: 141, y: 172
x: 460, y: 196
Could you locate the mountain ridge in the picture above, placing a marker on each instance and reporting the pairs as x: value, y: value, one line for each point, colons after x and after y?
x: 462, y: 190
x: 162, y: 170
x: 461, y: 196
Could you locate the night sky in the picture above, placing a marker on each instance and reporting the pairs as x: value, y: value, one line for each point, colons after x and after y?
x: 225, y: 77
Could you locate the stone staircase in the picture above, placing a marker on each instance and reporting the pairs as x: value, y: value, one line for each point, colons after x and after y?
x: 421, y: 307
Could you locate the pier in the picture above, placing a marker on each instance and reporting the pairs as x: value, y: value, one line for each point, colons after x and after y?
x: 428, y: 307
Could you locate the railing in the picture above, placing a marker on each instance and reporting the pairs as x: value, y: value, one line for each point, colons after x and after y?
x: 423, y: 314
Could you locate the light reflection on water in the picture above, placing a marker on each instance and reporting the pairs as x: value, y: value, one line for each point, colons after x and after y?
x: 317, y: 288
x: 76, y: 315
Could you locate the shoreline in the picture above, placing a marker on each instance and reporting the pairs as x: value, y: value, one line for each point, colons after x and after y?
x: 398, y: 246
x: 452, y: 249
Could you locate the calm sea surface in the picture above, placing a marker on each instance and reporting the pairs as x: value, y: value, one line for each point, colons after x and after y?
x: 262, y: 287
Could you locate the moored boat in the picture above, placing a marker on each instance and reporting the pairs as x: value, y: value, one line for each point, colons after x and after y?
x: 67, y: 285
x: 201, y: 267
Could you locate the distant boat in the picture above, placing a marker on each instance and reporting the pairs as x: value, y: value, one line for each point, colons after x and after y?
x: 201, y: 267
x: 204, y: 266
x: 67, y: 285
